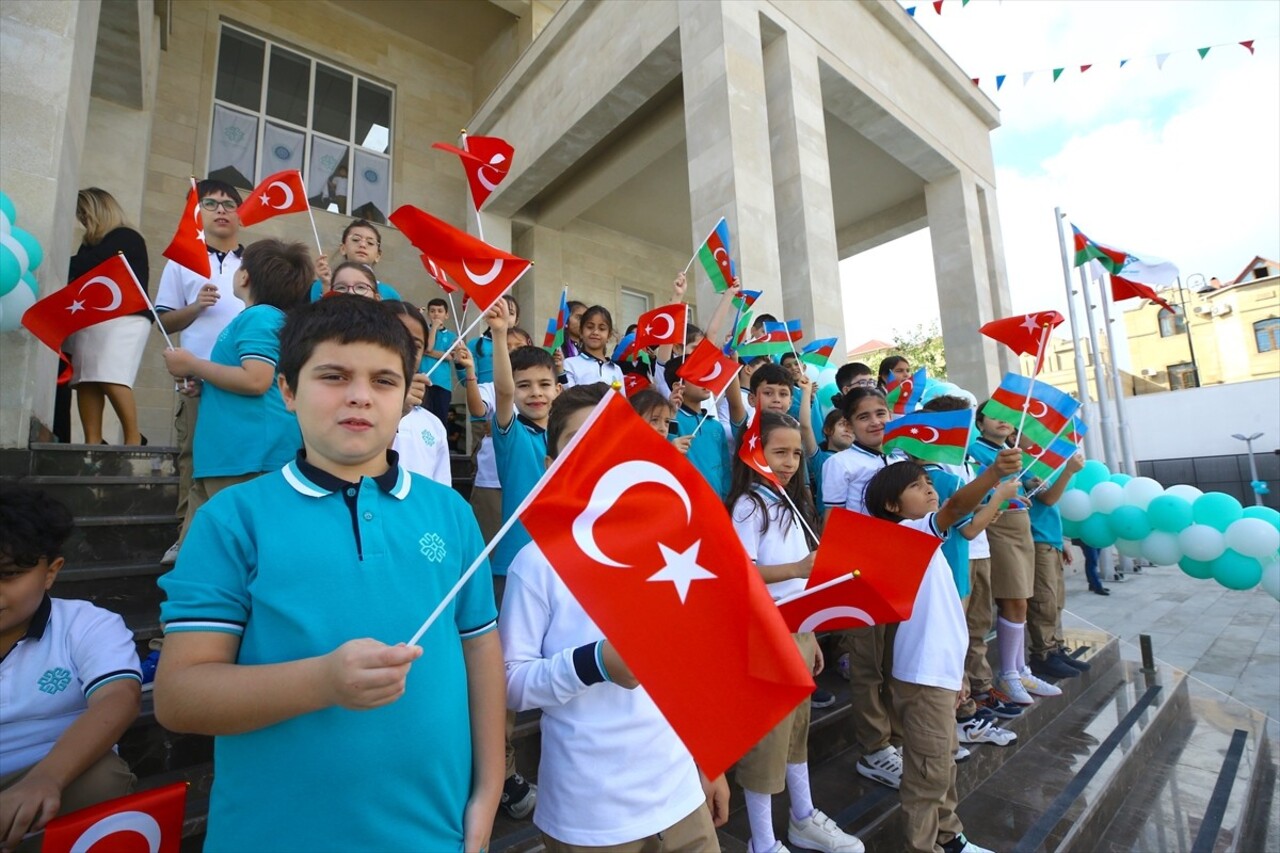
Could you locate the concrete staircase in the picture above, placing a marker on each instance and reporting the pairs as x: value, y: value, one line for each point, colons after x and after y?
x: 1128, y: 758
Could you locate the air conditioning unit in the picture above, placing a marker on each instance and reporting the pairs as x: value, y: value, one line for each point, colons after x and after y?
x: 1148, y: 372
x: 1203, y: 310
x: 1221, y: 310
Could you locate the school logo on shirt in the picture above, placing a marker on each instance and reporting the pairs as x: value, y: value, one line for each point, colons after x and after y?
x: 428, y: 439
x: 55, y: 680
x: 432, y: 547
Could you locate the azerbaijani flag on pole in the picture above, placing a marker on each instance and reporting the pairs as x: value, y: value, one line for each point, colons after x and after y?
x: 746, y: 298
x: 740, y: 331
x: 714, y: 255
x: 1111, y: 259
x: 1131, y: 276
x: 1048, y: 410
x: 904, y: 395
x: 941, y: 437
x: 557, y: 325
x: 1044, y: 462
x: 788, y: 331
x: 818, y: 353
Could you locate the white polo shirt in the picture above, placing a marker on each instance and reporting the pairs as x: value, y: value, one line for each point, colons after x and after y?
x: 846, y: 474
x: 70, y: 650
x: 783, y: 542
x: 423, y: 446
x: 929, y: 648
x: 486, y: 460
x: 180, y: 287
x: 585, y: 369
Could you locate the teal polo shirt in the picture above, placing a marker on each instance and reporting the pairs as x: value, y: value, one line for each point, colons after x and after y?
x: 238, y: 434
x: 329, y: 562
x: 443, y: 377
x: 816, y: 461
x: 520, y: 452
x: 482, y: 355
x: 709, y: 452
x: 984, y: 453
x: 955, y: 547
x: 385, y: 291
x: 1046, y: 523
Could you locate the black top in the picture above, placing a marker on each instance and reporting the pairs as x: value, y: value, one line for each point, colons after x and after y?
x: 120, y: 240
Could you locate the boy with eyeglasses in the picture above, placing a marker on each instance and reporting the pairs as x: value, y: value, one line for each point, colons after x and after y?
x: 200, y: 308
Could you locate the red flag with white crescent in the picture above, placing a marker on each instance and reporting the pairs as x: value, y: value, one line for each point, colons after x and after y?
x: 486, y: 160
x: 437, y: 274
x: 276, y: 195
x: 483, y: 272
x: 634, y: 383
x: 188, y: 247
x: 707, y: 367
x: 751, y: 451
x: 682, y: 582
x: 1026, y: 334
x: 146, y: 822
x: 663, y: 325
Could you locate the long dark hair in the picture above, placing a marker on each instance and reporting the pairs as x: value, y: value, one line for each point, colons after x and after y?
x: 887, y: 365
x: 887, y: 486
x: 745, y: 479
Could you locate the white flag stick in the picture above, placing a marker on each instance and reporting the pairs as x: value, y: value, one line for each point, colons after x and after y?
x: 796, y: 511
x: 310, y: 215
x: 1026, y: 404
x: 1045, y: 449
x: 457, y: 323
x: 815, y: 589
x: 698, y: 251
x: 168, y: 342
x: 463, y: 334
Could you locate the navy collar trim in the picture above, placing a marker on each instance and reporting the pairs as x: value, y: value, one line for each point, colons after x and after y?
x: 309, y: 480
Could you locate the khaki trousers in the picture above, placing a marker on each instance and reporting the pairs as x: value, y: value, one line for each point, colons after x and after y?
x: 692, y: 834
x: 107, y: 778
x: 184, y: 433
x: 1044, y: 608
x: 870, y: 653
x: 979, y: 614
x: 764, y: 768
x: 928, y: 792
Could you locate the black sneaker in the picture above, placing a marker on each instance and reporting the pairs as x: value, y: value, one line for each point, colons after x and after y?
x: 998, y: 705
x: 822, y: 698
x: 1052, y: 666
x: 1073, y: 662
x: 518, y: 797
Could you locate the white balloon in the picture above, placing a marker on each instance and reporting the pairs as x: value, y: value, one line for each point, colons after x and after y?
x: 19, y: 251
x: 1129, y: 547
x: 1202, y: 542
x: 5, y: 225
x: 1106, y: 496
x: 1141, y: 491
x: 1187, y: 493
x: 13, y: 305
x: 1271, y: 579
x: 1075, y: 505
x: 1253, y: 537
x: 1161, y: 548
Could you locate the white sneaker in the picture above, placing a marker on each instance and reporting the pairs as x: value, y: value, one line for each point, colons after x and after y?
x: 970, y: 847
x: 961, y: 754
x: 1012, y: 686
x: 776, y: 848
x: 819, y: 832
x: 1038, y: 687
x: 884, y: 767
x: 978, y: 730
x: 171, y: 556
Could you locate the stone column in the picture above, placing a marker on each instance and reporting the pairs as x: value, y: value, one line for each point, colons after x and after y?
x: 47, y: 69
x: 960, y: 260
x: 807, y: 250
x: 727, y: 133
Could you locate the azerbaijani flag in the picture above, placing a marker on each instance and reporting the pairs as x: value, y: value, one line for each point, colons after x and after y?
x: 714, y: 255
x: 941, y: 437
x: 557, y: 325
x: 1076, y: 432
x: 778, y: 338
x: 746, y: 298
x: 1111, y: 259
x: 1131, y: 276
x: 1047, y: 413
x: 1044, y: 462
x: 818, y: 353
x: 904, y: 395
x: 740, y: 331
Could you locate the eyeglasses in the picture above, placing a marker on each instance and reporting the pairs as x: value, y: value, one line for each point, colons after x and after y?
x: 358, y: 289
x: 357, y: 240
x: 212, y: 204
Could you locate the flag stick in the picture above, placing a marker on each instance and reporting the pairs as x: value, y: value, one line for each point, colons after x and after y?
x: 310, y: 215
x: 819, y: 588
x: 702, y: 420
x: 698, y: 251
x: 457, y: 324
x: 1026, y: 404
x: 168, y: 342
x: 795, y: 510
x: 1044, y: 484
x: 479, y: 224
x: 1045, y: 449
x: 463, y: 334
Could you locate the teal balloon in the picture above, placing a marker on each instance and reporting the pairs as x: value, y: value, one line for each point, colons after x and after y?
x: 29, y: 279
x: 35, y: 254
x: 1096, y: 531
x: 1216, y: 510
x: 1265, y: 513
x: 1093, y: 473
x: 1129, y: 522
x: 1196, y: 568
x: 1236, y: 571
x: 1120, y: 479
x: 6, y: 204
x: 1070, y: 529
x: 1169, y: 513
x: 825, y: 393
x: 10, y: 270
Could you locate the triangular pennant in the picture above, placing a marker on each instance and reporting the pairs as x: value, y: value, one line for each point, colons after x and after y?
x: 1203, y: 51
x: 1160, y: 58
x: 1084, y: 68
x: 937, y: 6
x: 999, y: 81
x: 1248, y: 45
x: 911, y: 10
x: 1026, y: 77
x: 1123, y: 63
x: 1057, y: 72
x: 976, y: 80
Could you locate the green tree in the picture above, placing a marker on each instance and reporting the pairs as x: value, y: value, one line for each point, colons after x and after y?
x: 923, y: 347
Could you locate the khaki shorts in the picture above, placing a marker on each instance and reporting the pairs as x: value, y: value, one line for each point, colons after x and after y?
x: 692, y: 834
x: 1013, y: 556
x: 486, y: 503
x: 764, y: 769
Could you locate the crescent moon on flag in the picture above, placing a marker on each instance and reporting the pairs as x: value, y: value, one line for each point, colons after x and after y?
x: 140, y: 822
x: 671, y: 325
x: 109, y: 285
x: 488, y: 277
x: 288, y: 195
x: 608, y: 489
x: 936, y: 435
x: 716, y: 370
x: 829, y: 614
x: 1044, y: 409
x: 717, y: 253
x: 496, y: 160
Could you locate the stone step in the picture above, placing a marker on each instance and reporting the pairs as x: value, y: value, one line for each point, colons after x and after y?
x: 87, y: 460
x: 136, y: 598
x: 121, y: 539
x: 92, y: 496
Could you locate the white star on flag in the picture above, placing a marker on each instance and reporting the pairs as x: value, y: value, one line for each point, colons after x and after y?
x: 751, y: 442
x: 915, y: 430
x: 75, y: 306
x: 200, y: 236
x: 1029, y: 324
x: 681, y: 568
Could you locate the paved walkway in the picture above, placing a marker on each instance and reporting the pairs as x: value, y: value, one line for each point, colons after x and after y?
x: 1229, y: 640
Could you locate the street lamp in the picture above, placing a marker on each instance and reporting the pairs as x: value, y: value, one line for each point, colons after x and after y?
x: 1259, y: 487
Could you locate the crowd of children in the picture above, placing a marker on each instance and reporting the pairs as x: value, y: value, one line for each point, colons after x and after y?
x: 319, y: 526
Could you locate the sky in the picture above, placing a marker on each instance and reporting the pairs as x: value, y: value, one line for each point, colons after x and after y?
x: 1181, y: 162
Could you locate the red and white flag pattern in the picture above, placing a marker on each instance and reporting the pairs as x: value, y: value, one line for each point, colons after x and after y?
x: 146, y: 822
x: 188, y: 247
x: 276, y: 195
x: 707, y: 367
x: 751, y: 451
x: 664, y: 325
x: 486, y: 160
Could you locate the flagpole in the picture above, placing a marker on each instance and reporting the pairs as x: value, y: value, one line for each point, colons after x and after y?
x: 1031, y: 386
x: 457, y: 322
x: 1099, y: 375
x: 1122, y: 422
x: 310, y: 215
x: 1082, y: 377
x: 168, y: 342
x: 479, y: 224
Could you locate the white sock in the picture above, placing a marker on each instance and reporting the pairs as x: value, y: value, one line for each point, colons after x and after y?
x: 798, y: 789
x: 760, y: 817
x: 1010, y: 637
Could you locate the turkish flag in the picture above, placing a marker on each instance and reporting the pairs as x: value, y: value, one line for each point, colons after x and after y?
x: 634, y: 383
x: 482, y: 271
x: 678, y: 588
x: 278, y: 194
x: 146, y: 822
x: 887, y: 562
x: 105, y: 292
x: 751, y: 451
x: 187, y: 248
x: 1123, y: 288
x: 1023, y: 334
x: 661, y: 326
x: 486, y: 160
x: 707, y: 367
x: 437, y: 274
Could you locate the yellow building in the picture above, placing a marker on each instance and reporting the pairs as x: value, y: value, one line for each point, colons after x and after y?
x: 1234, y: 336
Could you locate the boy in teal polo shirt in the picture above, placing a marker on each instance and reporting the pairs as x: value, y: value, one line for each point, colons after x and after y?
x: 285, y: 623
x: 440, y: 394
x: 709, y: 452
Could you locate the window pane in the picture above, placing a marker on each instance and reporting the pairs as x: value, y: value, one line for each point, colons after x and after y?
x: 327, y: 175
x: 373, y: 117
x: 287, y: 86
x: 233, y: 146
x: 371, y: 189
x: 240, y: 70
x: 281, y: 149
x: 333, y: 102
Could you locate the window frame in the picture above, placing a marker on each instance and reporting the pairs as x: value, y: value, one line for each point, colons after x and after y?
x: 309, y: 134
x: 1179, y: 318
x: 1180, y: 369
x: 1270, y: 327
